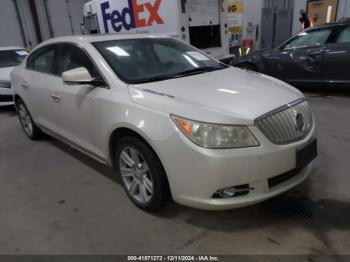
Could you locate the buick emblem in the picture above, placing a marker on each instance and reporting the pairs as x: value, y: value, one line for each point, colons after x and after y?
x: 299, y: 122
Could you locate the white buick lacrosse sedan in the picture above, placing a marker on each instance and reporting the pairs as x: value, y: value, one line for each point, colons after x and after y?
x: 172, y: 121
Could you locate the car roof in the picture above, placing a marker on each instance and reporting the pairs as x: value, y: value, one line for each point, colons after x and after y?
x: 9, y: 48
x: 100, y: 38
x: 331, y: 24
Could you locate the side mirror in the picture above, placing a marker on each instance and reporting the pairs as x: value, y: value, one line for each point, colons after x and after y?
x: 80, y: 76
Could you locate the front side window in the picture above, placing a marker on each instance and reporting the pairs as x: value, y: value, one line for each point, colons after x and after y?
x: 72, y: 57
x: 344, y: 36
x: 43, y: 60
x: 11, y: 58
x: 310, y: 38
x: 144, y: 60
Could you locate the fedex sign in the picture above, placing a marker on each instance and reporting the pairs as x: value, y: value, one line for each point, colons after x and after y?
x: 134, y: 15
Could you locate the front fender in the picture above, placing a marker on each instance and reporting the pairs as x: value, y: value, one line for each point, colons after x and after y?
x: 151, y: 125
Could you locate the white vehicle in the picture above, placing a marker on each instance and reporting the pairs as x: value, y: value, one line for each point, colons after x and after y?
x: 9, y: 58
x: 170, y: 119
x: 203, y: 24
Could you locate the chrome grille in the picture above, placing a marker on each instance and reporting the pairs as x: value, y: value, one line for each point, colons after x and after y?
x: 287, y: 124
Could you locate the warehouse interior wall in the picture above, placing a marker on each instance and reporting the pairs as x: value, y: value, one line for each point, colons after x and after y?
x: 252, y: 15
x: 60, y: 17
x: 20, y: 25
x: 299, y: 5
x: 16, y: 24
x: 26, y: 17
x: 10, y: 27
x: 343, y: 9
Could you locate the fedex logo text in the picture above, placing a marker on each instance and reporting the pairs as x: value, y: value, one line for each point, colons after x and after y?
x: 130, y: 17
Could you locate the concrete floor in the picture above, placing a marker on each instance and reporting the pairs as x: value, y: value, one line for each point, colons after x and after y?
x: 54, y: 200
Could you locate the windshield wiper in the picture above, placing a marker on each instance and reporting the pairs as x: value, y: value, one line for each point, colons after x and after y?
x: 195, y: 71
x: 151, y: 79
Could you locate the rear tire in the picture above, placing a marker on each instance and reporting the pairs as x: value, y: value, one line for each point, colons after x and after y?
x: 142, y: 174
x: 32, y: 131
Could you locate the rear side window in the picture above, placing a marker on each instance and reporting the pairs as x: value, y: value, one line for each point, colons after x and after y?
x: 72, y: 57
x: 344, y: 35
x: 43, y: 60
x: 310, y: 38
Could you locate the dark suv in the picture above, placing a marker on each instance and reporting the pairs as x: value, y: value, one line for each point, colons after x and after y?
x: 319, y: 55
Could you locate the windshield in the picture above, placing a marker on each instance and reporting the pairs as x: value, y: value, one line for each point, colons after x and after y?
x: 310, y: 38
x: 144, y: 60
x: 10, y: 58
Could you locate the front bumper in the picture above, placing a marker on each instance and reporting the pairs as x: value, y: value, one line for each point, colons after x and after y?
x: 196, y: 173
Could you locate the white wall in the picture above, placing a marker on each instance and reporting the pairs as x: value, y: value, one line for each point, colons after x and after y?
x: 60, y: 17
x: 253, y: 10
x: 10, y: 28
x: 298, y: 6
x: 16, y: 24
x: 251, y: 13
x: 343, y: 9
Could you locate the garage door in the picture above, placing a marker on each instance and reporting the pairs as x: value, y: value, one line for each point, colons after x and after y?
x: 10, y: 30
x: 65, y: 16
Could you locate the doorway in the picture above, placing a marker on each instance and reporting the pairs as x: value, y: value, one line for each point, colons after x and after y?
x: 324, y: 10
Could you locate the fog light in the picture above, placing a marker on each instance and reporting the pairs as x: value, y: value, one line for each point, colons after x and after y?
x: 230, y: 192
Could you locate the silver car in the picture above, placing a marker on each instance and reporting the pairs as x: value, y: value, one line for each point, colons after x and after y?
x: 9, y: 58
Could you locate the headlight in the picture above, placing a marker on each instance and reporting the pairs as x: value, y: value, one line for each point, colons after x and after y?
x: 216, y: 136
x: 4, y: 84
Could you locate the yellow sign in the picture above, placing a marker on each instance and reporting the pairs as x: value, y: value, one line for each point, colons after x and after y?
x: 235, y: 7
x: 235, y: 29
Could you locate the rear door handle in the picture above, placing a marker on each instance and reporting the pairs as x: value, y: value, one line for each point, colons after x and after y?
x: 25, y: 86
x: 56, y: 97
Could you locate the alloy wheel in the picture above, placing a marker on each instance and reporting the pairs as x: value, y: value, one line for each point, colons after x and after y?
x: 136, y: 175
x: 25, y: 119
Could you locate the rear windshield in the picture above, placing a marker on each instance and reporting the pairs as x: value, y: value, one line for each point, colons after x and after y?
x: 12, y: 58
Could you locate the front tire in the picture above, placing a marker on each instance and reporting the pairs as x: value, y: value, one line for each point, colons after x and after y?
x: 142, y: 174
x: 29, y: 127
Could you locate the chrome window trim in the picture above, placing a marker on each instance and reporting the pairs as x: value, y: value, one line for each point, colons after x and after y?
x: 57, y: 45
x: 34, y: 53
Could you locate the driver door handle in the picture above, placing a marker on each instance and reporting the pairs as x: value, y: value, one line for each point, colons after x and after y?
x: 56, y: 97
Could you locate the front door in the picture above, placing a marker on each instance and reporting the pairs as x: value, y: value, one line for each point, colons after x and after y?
x: 337, y: 58
x: 80, y: 121
x: 302, y: 57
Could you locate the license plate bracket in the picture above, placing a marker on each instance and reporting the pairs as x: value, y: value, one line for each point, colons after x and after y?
x: 306, y: 154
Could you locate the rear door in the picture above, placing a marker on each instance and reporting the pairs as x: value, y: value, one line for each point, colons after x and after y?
x: 337, y: 57
x: 301, y: 59
x: 39, y: 83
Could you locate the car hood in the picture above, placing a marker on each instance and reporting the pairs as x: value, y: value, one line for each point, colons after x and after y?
x: 231, y: 95
x: 5, y: 73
